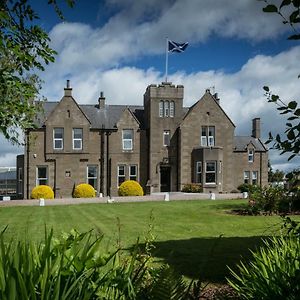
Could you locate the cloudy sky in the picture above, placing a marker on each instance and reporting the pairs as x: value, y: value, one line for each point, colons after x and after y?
x: 118, y: 46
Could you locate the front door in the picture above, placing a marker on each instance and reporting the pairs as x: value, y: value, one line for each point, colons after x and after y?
x: 165, y: 179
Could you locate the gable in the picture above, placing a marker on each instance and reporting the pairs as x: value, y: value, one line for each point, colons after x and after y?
x: 67, y: 109
x: 208, y: 110
x: 128, y: 119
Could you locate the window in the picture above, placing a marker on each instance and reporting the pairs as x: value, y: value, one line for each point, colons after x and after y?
x: 58, y: 138
x: 127, y: 136
x: 42, y: 175
x: 247, y: 177
x: 198, y: 178
x: 166, y: 108
x: 211, y: 136
x: 133, y: 172
x: 254, y: 177
x: 172, y: 109
x: 121, y: 174
x: 210, y: 172
x: 207, y: 136
x: 203, y: 136
x: 77, y: 138
x: 20, y: 181
x: 92, y: 175
x: 161, y: 109
x: 250, y: 155
x: 166, y: 137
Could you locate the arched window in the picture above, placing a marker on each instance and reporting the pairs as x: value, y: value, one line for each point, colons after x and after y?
x: 172, y: 109
x: 167, y: 108
x: 161, y: 109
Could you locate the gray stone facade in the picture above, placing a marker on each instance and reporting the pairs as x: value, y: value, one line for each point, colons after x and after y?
x: 161, y: 144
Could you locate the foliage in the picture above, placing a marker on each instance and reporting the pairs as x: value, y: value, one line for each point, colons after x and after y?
x: 42, y: 191
x: 276, y: 176
x: 130, y: 188
x: 192, y: 188
x: 293, y: 19
x: 75, y: 266
x: 24, y: 48
x: 273, y: 272
x: 244, y: 187
x: 84, y: 190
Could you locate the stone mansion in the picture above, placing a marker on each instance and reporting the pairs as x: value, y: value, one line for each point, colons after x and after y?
x: 162, y: 144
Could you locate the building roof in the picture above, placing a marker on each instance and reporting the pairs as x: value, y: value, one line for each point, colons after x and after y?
x: 100, y: 118
x: 240, y: 143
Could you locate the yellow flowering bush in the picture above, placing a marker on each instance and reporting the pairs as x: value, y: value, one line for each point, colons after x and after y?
x: 42, y: 191
x: 130, y: 188
x: 84, y: 190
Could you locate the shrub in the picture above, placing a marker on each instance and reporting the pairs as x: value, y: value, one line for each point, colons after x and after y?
x: 42, y: 191
x: 130, y: 188
x: 273, y: 273
x: 84, y: 190
x: 192, y: 188
x: 245, y: 187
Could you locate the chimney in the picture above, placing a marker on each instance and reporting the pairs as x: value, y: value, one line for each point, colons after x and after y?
x: 68, y: 89
x: 217, y: 98
x: 256, y: 128
x: 101, y: 101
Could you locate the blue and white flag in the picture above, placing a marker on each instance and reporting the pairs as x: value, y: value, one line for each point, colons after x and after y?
x: 176, y: 47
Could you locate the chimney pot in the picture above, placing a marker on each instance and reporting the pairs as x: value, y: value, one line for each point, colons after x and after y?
x: 68, y: 89
x: 101, y: 101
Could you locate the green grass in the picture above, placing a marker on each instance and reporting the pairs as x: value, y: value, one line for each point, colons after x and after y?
x: 187, y: 233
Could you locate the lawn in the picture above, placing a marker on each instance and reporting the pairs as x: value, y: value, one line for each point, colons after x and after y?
x: 198, y: 238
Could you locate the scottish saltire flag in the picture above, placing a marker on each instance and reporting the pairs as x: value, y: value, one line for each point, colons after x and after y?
x: 176, y: 47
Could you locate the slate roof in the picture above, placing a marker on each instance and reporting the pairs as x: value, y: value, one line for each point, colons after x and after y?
x: 99, y: 118
x: 240, y: 143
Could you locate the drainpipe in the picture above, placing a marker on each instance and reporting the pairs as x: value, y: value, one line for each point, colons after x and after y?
x: 102, y: 163
x: 260, y: 168
x: 107, y: 165
x: 27, y: 165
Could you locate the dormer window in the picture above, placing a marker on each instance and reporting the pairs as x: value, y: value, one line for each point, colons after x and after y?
x: 127, y: 139
x: 250, y: 155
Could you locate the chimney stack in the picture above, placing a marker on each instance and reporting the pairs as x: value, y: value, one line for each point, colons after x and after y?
x: 256, y: 128
x: 217, y: 98
x: 68, y: 89
x: 101, y: 101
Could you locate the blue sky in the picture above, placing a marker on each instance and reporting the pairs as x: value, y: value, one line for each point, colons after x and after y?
x: 118, y: 46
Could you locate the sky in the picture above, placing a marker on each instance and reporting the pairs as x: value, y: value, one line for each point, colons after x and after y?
x: 119, y: 47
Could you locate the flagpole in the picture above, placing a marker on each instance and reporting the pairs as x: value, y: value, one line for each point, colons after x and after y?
x: 167, y: 59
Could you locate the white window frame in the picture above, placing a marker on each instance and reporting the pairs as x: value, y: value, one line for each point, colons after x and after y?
x: 131, y: 175
x: 254, y: 177
x: 211, y: 138
x: 247, y: 177
x: 203, y: 137
x: 121, y: 175
x: 161, y: 109
x: 38, y: 179
x: 166, y: 134
x: 251, y: 155
x: 207, y: 140
x: 211, y: 172
x: 77, y: 139
x: 198, y: 172
x: 92, y: 177
x: 166, y: 108
x: 127, y: 140
x: 172, y: 109
x: 55, y: 139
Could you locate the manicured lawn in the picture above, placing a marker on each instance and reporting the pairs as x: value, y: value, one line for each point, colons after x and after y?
x: 187, y: 233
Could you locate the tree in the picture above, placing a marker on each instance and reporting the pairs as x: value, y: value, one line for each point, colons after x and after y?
x: 289, y: 11
x: 24, y: 49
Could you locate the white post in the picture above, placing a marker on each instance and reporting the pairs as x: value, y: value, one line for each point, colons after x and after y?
x: 212, y: 196
x: 42, y: 202
x: 167, y: 196
x: 167, y: 56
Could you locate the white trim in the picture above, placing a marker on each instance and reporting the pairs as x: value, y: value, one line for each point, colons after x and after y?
x: 77, y: 139
x: 133, y: 175
x: 58, y: 139
x: 130, y: 141
x: 37, y: 179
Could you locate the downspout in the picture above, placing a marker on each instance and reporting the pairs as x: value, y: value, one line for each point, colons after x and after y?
x: 260, y: 169
x: 107, y: 165
x: 102, y: 163
x: 27, y: 164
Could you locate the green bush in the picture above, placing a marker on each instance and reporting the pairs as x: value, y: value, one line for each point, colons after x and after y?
x: 273, y: 273
x: 192, y: 188
x: 84, y: 190
x: 130, y: 188
x: 42, y: 191
x: 245, y: 187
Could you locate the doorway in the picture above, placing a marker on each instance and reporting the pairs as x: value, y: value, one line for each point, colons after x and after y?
x: 165, y: 179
